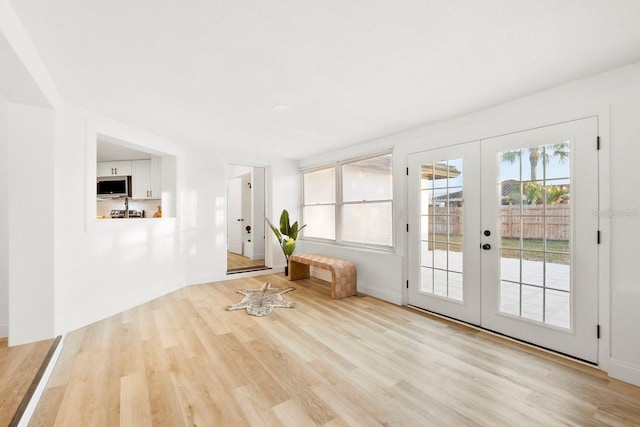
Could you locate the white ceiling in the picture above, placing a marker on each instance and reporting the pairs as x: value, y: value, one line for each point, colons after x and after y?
x: 110, y: 149
x: 212, y: 71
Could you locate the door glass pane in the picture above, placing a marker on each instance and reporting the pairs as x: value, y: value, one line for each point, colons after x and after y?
x: 440, y: 284
x: 532, y: 163
x: 557, y: 271
x: 440, y: 175
x: 533, y: 232
x: 455, y: 173
x: 510, y: 298
x: 510, y: 192
x: 455, y: 286
x: 558, y: 163
x: 426, y: 202
x: 426, y: 256
x: 532, y: 198
x: 532, y: 302
x: 557, y: 308
x: 558, y: 233
x: 424, y: 227
x: 455, y: 258
x: 532, y: 268
x: 426, y: 280
x: 442, y: 229
x: 535, y: 229
x: 440, y: 255
x: 510, y: 264
x: 558, y: 197
x: 426, y: 178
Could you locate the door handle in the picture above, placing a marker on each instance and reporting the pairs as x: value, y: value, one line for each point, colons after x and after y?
x: 486, y: 246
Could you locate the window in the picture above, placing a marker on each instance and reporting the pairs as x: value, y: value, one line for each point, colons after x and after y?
x: 350, y: 202
x: 319, y: 210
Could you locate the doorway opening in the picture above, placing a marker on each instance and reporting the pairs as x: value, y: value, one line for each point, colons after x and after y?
x: 245, y: 218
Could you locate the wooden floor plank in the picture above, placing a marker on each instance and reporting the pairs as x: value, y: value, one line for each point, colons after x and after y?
x: 183, y: 360
x: 19, y: 366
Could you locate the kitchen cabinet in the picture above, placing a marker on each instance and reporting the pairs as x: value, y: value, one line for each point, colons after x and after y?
x: 156, y: 177
x: 119, y: 168
x: 146, y: 179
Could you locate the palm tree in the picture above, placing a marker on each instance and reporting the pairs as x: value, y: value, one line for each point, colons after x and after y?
x: 546, y: 153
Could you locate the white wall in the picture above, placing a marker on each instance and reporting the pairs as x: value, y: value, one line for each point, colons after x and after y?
x: 615, y: 98
x: 257, y: 215
x: 105, y: 267
x: 206, y: 212
x: 4, y: 221
x: 30, y: 171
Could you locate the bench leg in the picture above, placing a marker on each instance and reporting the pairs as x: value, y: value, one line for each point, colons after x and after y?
x: 344, y: 283
x: 298, y: 271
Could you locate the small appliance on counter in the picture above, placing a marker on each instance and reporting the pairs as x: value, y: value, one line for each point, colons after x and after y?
x: 120, y: 213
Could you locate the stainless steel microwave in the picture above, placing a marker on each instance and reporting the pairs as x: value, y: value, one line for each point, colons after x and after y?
x: 114, y: 186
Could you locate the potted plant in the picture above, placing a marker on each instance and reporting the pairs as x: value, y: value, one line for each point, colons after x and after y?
x: 286, y: 235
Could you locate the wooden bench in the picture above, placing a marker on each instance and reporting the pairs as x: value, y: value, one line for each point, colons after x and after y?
x: 344, y: 281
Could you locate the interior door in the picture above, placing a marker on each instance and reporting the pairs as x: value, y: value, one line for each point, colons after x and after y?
x: 540, y: 263
x: 444, y: 242
x: 503, y: 235
x: 234, y: 219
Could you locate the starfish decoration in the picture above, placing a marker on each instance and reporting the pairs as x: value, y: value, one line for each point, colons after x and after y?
x: 260, y: 302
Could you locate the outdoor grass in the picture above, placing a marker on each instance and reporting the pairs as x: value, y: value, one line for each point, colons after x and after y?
x: 532, y: 249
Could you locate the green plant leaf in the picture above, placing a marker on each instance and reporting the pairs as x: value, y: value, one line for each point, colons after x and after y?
x: 275, y: 231
x: 288, y: 247
x: 285, y: 228
x: 294, y: 231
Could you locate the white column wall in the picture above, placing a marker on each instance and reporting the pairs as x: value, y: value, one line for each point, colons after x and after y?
x: 4, y: 221
x: 106, y: 268
x: 257, y: 204
x: 30, y: 171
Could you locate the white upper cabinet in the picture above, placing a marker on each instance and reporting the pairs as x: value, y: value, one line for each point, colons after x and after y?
x: 156, y: 177
x: 146, y: 175
x: 119, y: 168
x: 141, y: 179
x: 146, y: 179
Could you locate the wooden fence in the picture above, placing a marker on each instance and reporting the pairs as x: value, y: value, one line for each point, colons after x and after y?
x: 514, y: 222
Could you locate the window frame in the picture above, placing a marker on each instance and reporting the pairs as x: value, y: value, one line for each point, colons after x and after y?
x: 340, y: 203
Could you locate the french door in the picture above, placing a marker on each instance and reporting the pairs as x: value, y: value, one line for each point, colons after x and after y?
x: 503, y: 235
x: 444, y: 202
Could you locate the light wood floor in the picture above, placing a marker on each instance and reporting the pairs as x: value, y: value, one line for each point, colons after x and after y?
x: 235, y: 261
x: 18, y: 367
x: 183, y: 360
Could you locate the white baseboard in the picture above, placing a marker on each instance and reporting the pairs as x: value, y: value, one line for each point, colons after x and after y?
x: 37, y: 394
x: 383, y: 294
x: 624, y: 372
x: 4, y: 330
